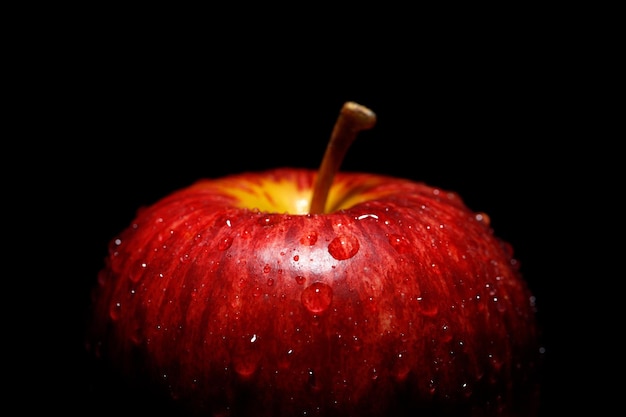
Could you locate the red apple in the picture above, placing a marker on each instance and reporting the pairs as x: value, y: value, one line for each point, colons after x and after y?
x: 295, y: 292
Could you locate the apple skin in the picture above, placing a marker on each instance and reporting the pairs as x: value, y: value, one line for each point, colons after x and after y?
x: 399, y: 300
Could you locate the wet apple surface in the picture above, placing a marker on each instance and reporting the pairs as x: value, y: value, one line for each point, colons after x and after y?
x: 236, y: 300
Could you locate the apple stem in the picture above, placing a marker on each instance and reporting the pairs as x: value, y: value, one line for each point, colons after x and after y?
x: 352, y: 119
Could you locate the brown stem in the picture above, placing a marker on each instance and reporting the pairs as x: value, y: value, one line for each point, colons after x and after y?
x: 352, y: 119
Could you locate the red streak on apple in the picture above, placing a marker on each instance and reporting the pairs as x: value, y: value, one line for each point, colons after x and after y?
x: 398, y: 300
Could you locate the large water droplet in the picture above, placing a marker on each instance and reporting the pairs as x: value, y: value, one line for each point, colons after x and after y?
x: 317, y: 297
x: 225, y: 243
x: 343, y: 247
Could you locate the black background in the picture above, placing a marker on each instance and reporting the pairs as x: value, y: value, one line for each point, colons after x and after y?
x: 121, y: 114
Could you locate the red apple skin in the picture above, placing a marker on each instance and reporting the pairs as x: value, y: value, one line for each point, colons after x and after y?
x: 399, y: 301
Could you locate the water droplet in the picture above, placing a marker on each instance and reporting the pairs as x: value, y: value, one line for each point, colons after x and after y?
x: 313, y: 383
x: 432, y: 386
x: 317, y: 297
x: 115, y: 311
x: 367, y: 216
x: 483, y: 218
x: 300, y: 279
x: 266, y: 269
x: 103, y: 278
x: 246, y: 357
x: 284, y: 361
x: 343, y: 247
x: 515, y: 264
x: 399, y: 243
x: 245, y: 365
x: 495, y: 362
x: 296, y: 258
x: 270, y: 282
x: 137, y: 271
x: 466, y: 390
x: 446, y: 334
x: 225, y: 243
x: 371, y: 304
x: 401, y: 367
x: 500, y: 304
x: 428, y: 306
x: 270, y: 220
x: 309, y: 239
x: 137, y: 336
x: 357, y: 344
